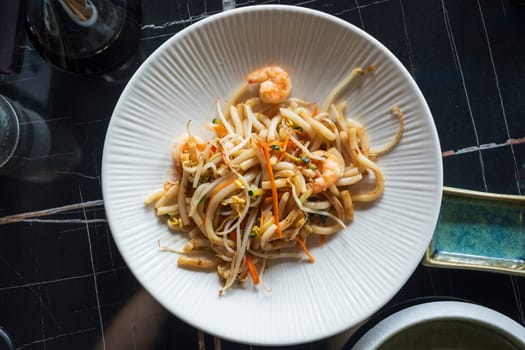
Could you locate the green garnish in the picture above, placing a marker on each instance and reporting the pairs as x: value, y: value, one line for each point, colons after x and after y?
x: 275, y: 147
x: 305, y: 159
x: 313, y: 166
x: 255, y: 192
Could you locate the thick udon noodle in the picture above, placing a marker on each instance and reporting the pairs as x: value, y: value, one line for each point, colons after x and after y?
x: 274, y: 175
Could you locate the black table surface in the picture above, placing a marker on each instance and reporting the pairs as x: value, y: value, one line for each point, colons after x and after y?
x: 63, y: 283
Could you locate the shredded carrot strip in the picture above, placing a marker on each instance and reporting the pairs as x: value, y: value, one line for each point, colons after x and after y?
x: 268, y: 200
x: 315, y: 111
x: 292, y: 146
x: 252, y: 269
x: 284, y: 147
x: 264, y: 147
x: 223, y: 154
x: 220, y: 130
x: 306, y: 251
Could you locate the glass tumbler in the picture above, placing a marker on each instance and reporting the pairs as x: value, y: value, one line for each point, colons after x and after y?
x: 9, y: 131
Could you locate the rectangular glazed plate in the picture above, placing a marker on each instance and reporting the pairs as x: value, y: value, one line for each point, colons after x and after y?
x: 480, y: 231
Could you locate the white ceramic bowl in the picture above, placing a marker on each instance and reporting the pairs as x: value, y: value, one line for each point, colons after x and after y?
x: 358, y: 270
x: 444, y: 325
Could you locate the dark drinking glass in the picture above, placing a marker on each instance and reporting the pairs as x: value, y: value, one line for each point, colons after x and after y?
x: 84, y: 36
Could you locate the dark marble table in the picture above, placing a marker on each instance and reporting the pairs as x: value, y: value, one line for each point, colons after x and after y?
x: 63, y: 283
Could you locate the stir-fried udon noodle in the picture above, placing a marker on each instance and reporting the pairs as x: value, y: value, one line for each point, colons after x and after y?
x: 278, y: 171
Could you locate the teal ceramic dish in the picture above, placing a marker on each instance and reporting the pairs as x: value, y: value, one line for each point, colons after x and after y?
x: 481, y: 231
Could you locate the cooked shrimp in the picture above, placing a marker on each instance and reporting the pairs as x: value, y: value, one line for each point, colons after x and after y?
x: 331, y: 169
x: 275, y: 83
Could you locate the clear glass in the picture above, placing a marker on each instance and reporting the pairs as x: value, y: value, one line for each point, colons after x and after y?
x: 84, y: 36
x: 9, y: 131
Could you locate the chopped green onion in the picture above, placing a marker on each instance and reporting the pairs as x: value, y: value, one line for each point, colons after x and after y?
x: 313, y: 166
x: 275, y: 147
x: 294, y: 158
x: 297, y: 127
x: 215, y: 121
x: 255, y: 191
x: 305, y: 159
